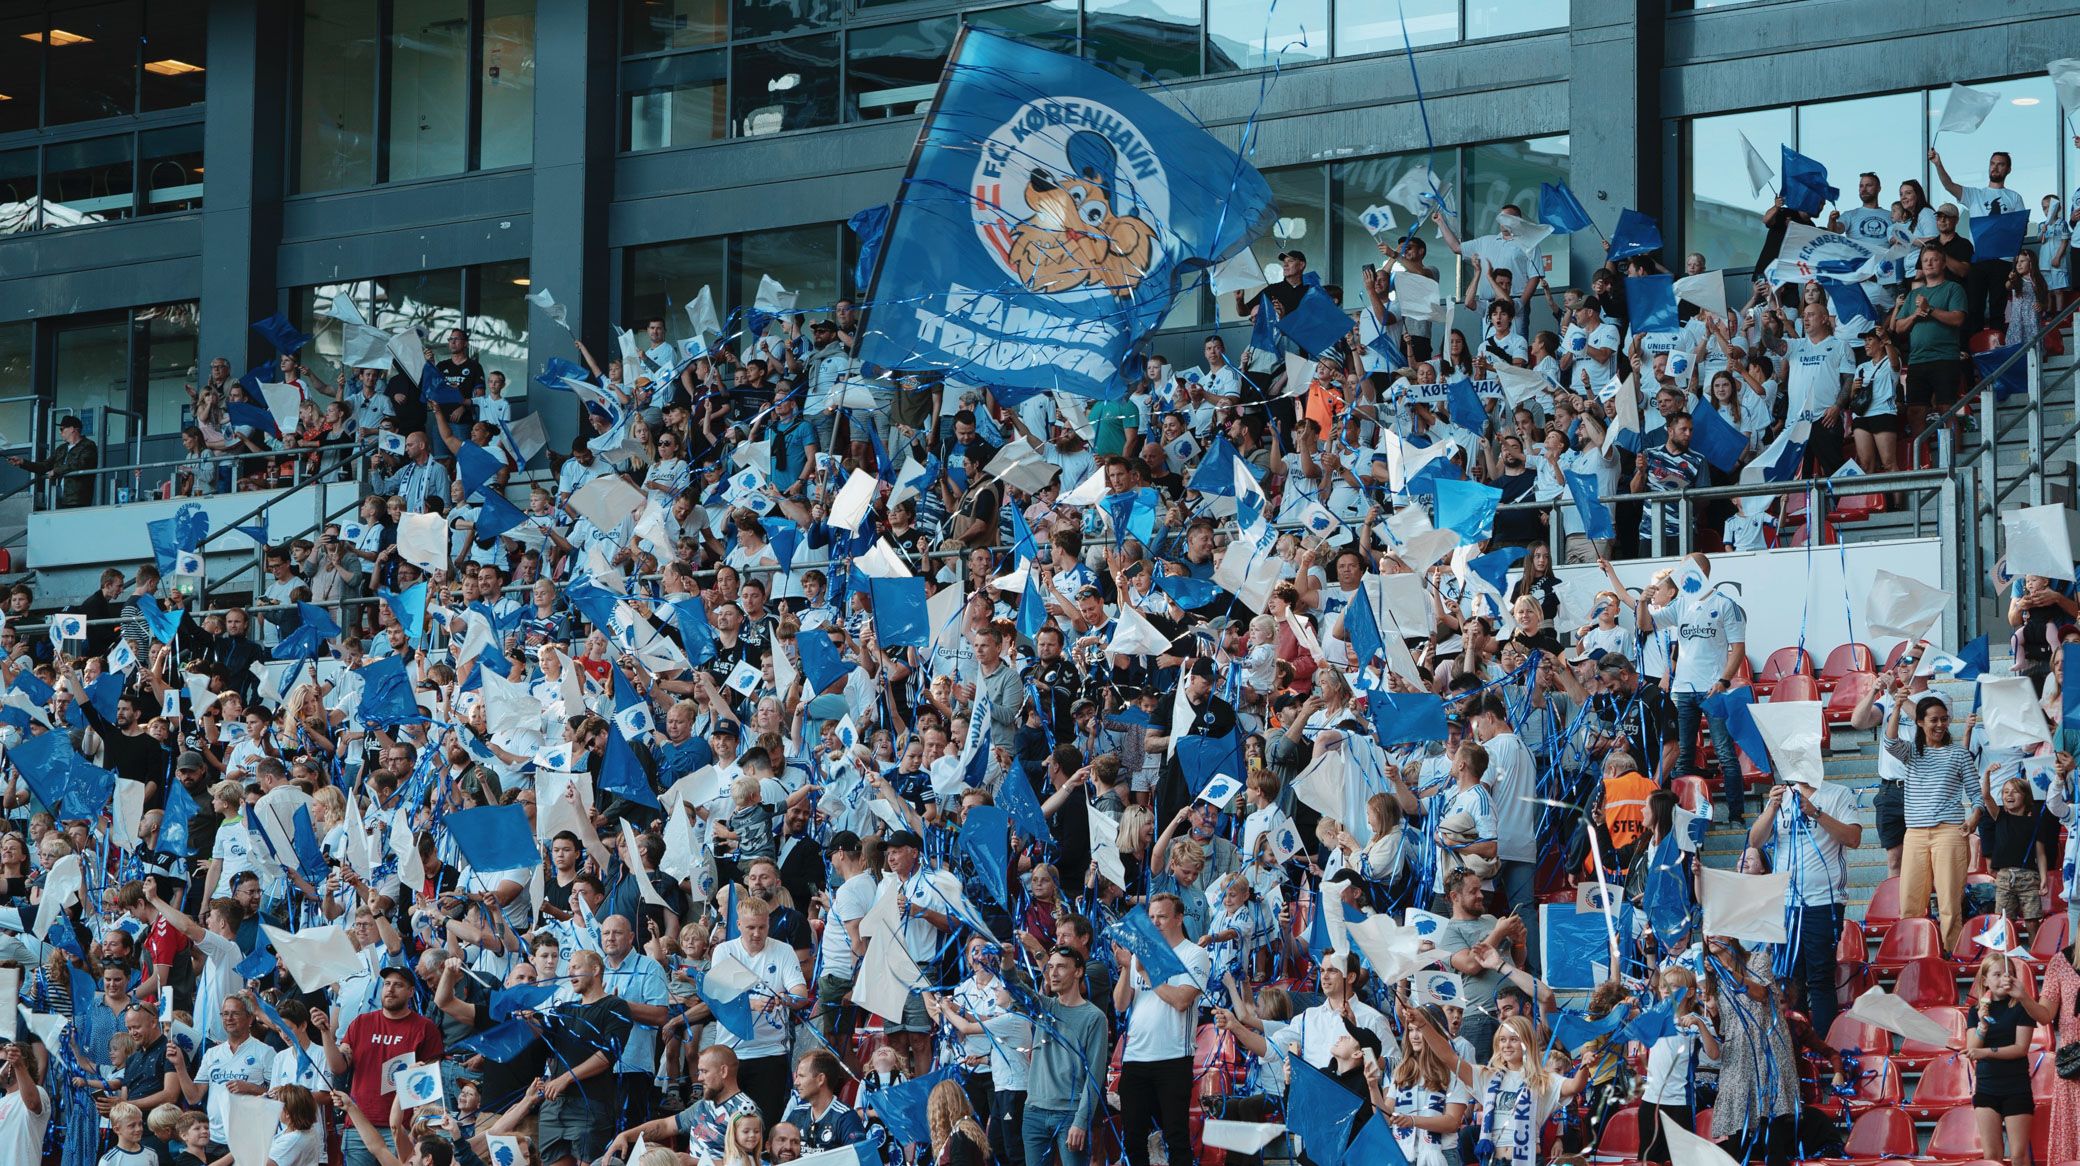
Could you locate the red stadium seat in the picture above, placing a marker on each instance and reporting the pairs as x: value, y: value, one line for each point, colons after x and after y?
x: 1844, y: 660
x: 1779, y: 664
x: 1865, y: 1038
x: 1796, y: 687
x: 1945, y: 1085
x: 1956, y: 1138
x: 1926, y: 983
x: 1620, y: 1141
x: 1966, y: 950
x: 2043, y: 1071
x: 1913, y: 1054
x: 1886, y: 1132
x: 1852, y: 963
x: 1848, y: 692
x: 2051, y: 937
x: 1857, y: 507
x: 1912, y: 938
x: 1883, y: 910
x: 1702, y: 1127
x: 1877, y: 1084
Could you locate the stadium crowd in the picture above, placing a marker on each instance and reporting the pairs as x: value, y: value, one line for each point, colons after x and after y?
x: 903, y: 770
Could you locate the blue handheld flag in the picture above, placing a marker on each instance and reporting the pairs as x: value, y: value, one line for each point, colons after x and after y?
x: 1635, y: 234
x: 1559, y: 209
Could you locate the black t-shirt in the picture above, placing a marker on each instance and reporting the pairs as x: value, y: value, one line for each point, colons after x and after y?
x: 576, y: 1031
x: 1516, y: 526
x: 465, y: 376
x: 2015, y: 840
x: 1958, y: 248
x: 145, y: 1072
x: 2002, y: 1020
x: 1285, y: 295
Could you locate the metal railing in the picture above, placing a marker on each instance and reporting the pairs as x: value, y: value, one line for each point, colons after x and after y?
x: 1993, y: 427
x: 333, y: 460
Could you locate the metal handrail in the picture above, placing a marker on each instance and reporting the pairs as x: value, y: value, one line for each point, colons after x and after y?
x: 313, y: 479
x: 1964, y: 399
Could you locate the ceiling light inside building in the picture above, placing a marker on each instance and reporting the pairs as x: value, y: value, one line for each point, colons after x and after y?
x: 2025, y: 102
x: 523, y: 281
x: 59, y: 36
x: 171, y: 68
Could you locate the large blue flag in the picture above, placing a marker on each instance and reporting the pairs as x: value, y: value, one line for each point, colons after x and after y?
x: 1998, y: 236
x: 986, y: 839
x: 1051, y: 214
x: 1559, y: 209
x: 1635, y: 234
x: 1805, y: 184
x: 1319, y: 1111
x: 1716, y: 438
x: 1652, y: 301
x: 1594, y: 512
x: 1136, y: 932
x: 867, y: 224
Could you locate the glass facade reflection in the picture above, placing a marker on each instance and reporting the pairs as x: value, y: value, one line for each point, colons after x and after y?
x: 804, y: 64
x: 394, y: 90
x: 1886, y: 134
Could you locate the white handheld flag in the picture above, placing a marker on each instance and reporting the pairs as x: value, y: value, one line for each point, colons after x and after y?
x: 1795, y: 733
x: 1746, y: 907
x: 2065, y: 78
x: 1759, y: 173
x: 1904, y: 607
x: 1966, y: 108
x: 2039, y: 541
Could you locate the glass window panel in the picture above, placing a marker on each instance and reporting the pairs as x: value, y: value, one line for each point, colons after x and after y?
x: 429, y: 88
x: 668, y: 275
x: 21, y: 60
x: 1254, y: 34
x: 1300, y: 194
x: 498, y: 331
x: 785, y: 85
x: 803, y: 259
x: 16, y: 427
x: 87, y: 182
x: 430, y: 299
x: 1876, y: 134
x: 778, y: 17
x: 1507, y: 174
x: 90, y: 369
x: 506, y: 121
x: 174, y: 43
x: 1722, y: 217
x: 92, y: 55
x: 2024, y: 122
x: 1486, y: 18
x: 19, y: 206
x: 650, y: 26
x: 169, y: 331
x: 1143, y: 40
x: 1364, y: 184
x: 679, y: 101
x: 172, y: 169
x: 1050, y: 24
x: 336, y: 111
x: 1376, y: 27
x: 894, y: 69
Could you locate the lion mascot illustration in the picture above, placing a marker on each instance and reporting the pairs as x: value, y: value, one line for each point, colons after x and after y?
x: 1075, y: 237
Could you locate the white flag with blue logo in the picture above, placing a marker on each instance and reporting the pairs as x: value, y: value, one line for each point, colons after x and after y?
x: 68, y: 627
x: 1434, y: 987
x: 635, y: 721
x: 419, y: 1085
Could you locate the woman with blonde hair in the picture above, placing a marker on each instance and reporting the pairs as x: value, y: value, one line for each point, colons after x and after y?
x: 1516, y: 1092
x: 303, y: 720
x: 957, y: 1138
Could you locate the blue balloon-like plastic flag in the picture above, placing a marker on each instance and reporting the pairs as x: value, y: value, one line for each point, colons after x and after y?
x: 1051, y: 214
